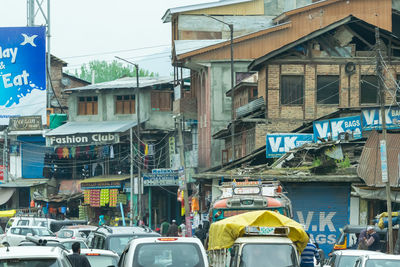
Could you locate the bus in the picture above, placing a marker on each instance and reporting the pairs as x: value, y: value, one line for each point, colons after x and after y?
x: 243, y: 196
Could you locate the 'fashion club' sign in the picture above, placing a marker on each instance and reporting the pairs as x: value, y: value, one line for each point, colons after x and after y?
x: 82, y: 139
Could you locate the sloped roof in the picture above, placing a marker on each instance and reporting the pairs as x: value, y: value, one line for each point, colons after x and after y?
x: 186, y: 46
x: 168, y: 14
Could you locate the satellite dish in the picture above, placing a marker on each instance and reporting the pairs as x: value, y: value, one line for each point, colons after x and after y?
x: 65, y: 81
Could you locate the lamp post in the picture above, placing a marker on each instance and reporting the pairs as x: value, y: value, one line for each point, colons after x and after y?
x: 232, y: 84
x: 139, y: 183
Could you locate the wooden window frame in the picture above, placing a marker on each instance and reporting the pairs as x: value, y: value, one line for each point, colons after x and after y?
x: 367, y: 83
x: 125, y: 104
x: 297, y: 101
x: 328, y: 86
x: 88, y: 105
x: 161, y: 100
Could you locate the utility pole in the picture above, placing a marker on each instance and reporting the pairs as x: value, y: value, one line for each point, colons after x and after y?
x: 385, y: 177
x: 5, y: 156
x: 131, y: 172
x: 139, y: 160
x: 185, y: 187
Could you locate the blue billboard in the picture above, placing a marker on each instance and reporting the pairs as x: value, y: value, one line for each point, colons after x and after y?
x: 279, y: 144
x: 372, y: 119
x: 22, y: 72
x: 334, y: 128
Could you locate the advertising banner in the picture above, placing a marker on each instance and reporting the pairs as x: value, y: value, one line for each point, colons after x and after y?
x: 22, y: 72
x: 279, y: 144
x: 82, y: 139
x: 338, y: 128
x: 372, y: 119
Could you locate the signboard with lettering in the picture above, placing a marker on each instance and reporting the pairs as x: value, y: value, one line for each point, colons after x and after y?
x: 82, y: 139
x: 161, y: 179
x: 22, y: 72
x: 279, y: 144
x: 335, y: 129
x: 372, y: 119
x: 102, y: 185
x: 25, y: 123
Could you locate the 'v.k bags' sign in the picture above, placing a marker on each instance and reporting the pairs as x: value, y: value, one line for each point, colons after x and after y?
x: 372, y: 119
x: 278, y: 144
x: 335, y: 128
x: 22, y: 72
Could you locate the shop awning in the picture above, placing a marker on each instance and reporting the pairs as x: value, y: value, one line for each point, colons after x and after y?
x: 105, y: 178
x: 74, y: 127
x: 6, y: 194
x: 24, y: 183
x: 8, y: 213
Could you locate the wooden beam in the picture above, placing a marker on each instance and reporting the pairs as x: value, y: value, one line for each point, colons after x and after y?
x: 358, y: 36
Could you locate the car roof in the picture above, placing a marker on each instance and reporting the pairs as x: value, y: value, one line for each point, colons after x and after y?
x: 124, y: 230
x: 29, y: 226
x: 383, y: 256
x: 31, y: 252
x: 354, y: 252
x: 146, y: 240
x: 64, y: 240
x: 99, y: 251
x: 79, y: 227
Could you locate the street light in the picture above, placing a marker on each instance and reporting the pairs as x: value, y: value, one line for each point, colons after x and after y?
x: 138, y: 146
x: 232, y: 84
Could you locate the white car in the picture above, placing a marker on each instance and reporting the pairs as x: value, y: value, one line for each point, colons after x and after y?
x: 17, y: 234
x: 100, y: 257
x: 164, y: 251
x: 28, y: 221
x: 378, y: 260
x: 345, y: 258
x: 80, y: 232
x: 67, y: 243
x: 34, y: 256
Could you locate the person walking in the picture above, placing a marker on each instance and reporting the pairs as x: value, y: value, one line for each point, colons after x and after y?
x: 372, y: 240
x: 200, y: 233
x: 308, y: 254
x: 76, y: 259
x: 164, y: 227
x: 173, y: 229
x: 362, y: 245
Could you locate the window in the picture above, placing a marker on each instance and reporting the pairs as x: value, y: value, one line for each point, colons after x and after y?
x: 292, y: 90
x: 161, y: 101
x: 253, y: 94
x: 328, y: 89
x: 125, y: 104
x: 87, y: 105
x: 369, y: 89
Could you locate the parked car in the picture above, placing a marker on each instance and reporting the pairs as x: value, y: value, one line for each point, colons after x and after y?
x: 116, y: 238
x: 164, y: 251
x: 345, y: 258
x: 67, y: 243
x: 348, y: 239
x: 377, y: 260
x: 100, y: 257
x: 34, y: 256
x: 17, y: 234
x: 28, y: 221
x: 80, y: 232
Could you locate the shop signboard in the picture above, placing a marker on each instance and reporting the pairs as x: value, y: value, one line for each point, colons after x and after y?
x: 161, y: 179
x: 101, y: 185
x: 337, y: 128
x: 81, y: 139
x: 25, y: 123
x: 279, y: 144
x: 22, y: 72
x: 372, y: 119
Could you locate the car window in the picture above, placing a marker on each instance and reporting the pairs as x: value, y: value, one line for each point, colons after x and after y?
x: 382, y: 262
x: 15, y: 230
x: 168, y: 254
x: 23, y: 223
x: 101, y: 260
x: 25, y: 231
x: 118, y: 243
x: 68, y: 244
x: 65, y: 234
x: 278, y: 255
x: 347, y: 261
x: 29, y: 262
x: 42, y: 232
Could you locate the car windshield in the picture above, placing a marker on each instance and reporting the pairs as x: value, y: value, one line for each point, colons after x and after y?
x: 278, y: 255
x: 42, y: 232
x: 102, y: 261
x: 382, y: 263
x: 347, y: 261
x: 118, y: 243
x: 68, y: 244
x: 29, y: 262
x: 168, y: 254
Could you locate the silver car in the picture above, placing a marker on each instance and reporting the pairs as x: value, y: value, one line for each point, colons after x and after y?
x: 345, y: 258
x: 377, y: 260
x: 16, y: 234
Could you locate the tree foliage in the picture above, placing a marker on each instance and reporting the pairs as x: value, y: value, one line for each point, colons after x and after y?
x: 104, y: 71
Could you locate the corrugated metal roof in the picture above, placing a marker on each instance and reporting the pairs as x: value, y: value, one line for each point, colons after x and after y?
x: 75, y: 127
x: 369, y: 168
x: 185, y: 46
x: 25, y: 182
x: 167, y: 16
x: 106, y: 178
x: 127, y: 82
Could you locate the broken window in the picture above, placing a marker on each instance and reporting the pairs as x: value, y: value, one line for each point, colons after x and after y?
x: 369, y: 89
x: 292, y: 90
x: 328, y: 89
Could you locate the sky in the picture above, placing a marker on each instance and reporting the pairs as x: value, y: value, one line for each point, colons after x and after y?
x: 85, y: 30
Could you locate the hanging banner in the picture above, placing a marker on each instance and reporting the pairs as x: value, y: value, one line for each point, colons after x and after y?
x: 340, y: 128
x: 372, y: 119
x: 279, y: 144
x: 22, y: 72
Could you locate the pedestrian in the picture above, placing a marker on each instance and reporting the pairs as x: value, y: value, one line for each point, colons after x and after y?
x: 308, y: 254
x: 372, y: 240
x: 200, y: 233
x: 183, y: 227
x: 164, y: 227
x: 76, y: 259
x: 362, y: 245
x: 173, y: 229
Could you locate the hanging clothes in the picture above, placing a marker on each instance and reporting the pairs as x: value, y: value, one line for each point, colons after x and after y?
x: 151, y: 149
x: 106, y: 151
x: 59, y: 152
x: 65, y: 152
x: 146, y: 149
x: 73, y: 152
x: 111, y: 152
x: 78, y: 151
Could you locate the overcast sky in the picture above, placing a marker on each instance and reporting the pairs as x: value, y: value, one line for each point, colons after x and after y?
x: 80, y: 28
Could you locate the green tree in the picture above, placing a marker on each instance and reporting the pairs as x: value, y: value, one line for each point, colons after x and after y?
x: 104, y: 71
